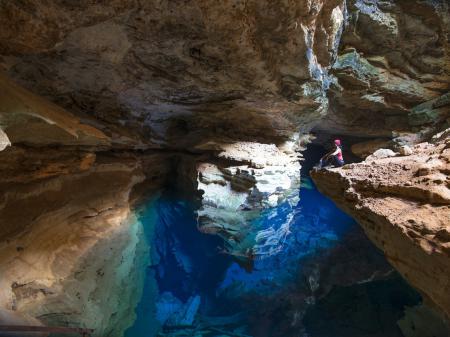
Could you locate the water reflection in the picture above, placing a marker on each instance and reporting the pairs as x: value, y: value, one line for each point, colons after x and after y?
x: 303, y: 255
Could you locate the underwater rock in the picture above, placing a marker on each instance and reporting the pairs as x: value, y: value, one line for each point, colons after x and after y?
x: 174, y: 313
x: 422, y: 321
x: 402, y: 204
x: 350, y: 311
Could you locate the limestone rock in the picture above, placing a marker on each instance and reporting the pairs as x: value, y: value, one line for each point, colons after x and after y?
x: 364, y: 149
x: 28, y: 118
x: 9, y: 317
x: 381, y: 153
x: 221, y: 91
x: 405, y: 150
x: 163, y: 73
x: 403, y: 205
x: 69, y: 215
x: 393, y: 57
x: 431, y: 112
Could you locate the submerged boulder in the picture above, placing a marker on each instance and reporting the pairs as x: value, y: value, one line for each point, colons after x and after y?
x: 172, y: 312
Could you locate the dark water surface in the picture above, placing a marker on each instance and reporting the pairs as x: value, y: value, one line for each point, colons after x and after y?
x: 327, y: 280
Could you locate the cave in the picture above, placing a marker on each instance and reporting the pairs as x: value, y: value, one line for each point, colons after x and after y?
x: 160, y: 168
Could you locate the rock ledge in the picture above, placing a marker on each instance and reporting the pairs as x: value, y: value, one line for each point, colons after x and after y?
x: 403, y: 203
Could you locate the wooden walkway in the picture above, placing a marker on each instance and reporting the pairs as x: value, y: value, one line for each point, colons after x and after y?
x: 63, y: 330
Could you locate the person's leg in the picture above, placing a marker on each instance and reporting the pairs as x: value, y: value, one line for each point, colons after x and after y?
x: 324, y: 162
x: 337, y: 162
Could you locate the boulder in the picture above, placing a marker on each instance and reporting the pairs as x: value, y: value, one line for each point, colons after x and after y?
x: 405, y: 150
x: 381, y: 153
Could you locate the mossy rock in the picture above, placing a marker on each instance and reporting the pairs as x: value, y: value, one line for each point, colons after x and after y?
x: 358, y: 66
x: 430, y: 112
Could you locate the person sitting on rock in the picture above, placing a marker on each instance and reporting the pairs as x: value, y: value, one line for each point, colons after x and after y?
x: 334, y: 157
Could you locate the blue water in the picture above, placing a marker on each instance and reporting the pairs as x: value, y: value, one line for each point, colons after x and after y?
x: 188, y: 272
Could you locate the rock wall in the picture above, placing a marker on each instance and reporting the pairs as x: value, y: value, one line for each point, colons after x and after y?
x: 181, y: 76
x: 393, y: 56
x: 70, y: 240
x: 165, y: 73
x: 121, y: 92
x: 402, y: 203
x: 26, y: 118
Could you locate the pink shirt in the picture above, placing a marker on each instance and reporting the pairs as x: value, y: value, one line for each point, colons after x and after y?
x: 338, y: 153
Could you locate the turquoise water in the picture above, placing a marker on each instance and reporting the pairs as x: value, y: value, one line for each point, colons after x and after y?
x: 192, y: 288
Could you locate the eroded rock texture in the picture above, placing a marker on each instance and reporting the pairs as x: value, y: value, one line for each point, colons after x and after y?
x: 26, y: 118
x: 393, y: 56
x: 174, y: 73
x: 100, y: 100
x: 403, y: 203
x: 70, y: 240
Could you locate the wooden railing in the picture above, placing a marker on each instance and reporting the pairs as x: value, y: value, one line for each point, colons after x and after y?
x: 63, y: 330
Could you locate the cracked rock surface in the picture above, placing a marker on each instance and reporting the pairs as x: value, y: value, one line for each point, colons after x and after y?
x: 403, y: 204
